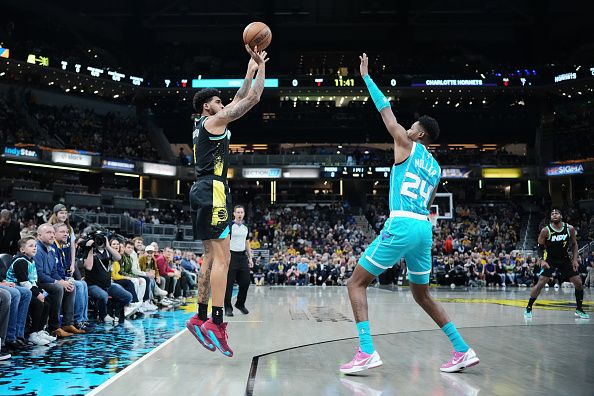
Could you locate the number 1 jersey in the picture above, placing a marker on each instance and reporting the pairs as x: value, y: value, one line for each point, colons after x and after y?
x: 413, y: 181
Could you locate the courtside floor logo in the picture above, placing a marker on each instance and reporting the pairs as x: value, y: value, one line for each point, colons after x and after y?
x: 556, y: 305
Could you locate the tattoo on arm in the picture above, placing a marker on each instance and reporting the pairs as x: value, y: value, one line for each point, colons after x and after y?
x: 258, y: 87
x: 238, y: 110
x: 245, y: 87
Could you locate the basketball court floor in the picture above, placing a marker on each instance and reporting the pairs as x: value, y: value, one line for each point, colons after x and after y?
x: 295, y: 338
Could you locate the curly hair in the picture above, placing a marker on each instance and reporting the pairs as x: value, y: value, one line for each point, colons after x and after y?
x: 430, y: 126
x: 204, y: 96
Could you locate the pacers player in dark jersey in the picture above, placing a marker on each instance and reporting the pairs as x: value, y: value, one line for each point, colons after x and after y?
x: 210, y: 200
x: 553, y: 245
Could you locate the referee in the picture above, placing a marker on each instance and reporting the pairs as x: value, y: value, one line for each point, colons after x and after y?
x: 239, y: 269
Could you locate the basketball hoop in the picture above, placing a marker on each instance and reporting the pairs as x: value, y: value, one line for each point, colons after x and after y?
x: 433, y: 219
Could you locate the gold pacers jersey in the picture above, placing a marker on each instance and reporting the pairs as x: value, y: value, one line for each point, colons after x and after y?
x: 211, y: 159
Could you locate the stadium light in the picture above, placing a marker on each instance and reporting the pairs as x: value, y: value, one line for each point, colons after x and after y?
x: 126, y: 174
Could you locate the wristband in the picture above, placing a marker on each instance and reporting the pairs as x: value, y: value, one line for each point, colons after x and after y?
x: 380, y: 101
x: 540, y: 251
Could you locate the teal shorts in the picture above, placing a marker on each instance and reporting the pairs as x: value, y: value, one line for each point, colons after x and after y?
x: 406, y: 238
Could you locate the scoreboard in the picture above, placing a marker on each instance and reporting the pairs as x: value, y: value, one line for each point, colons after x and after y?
x: 362, y: 172
x: 401, y: 82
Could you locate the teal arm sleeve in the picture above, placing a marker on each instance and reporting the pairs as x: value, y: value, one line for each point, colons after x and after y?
x: 377, y: 96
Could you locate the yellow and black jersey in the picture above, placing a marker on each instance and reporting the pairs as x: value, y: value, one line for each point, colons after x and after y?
x: 211, y: 152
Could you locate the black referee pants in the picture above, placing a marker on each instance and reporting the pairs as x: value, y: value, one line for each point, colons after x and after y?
x: 239, y: 271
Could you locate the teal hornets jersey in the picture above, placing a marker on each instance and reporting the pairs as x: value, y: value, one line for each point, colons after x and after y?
x: 413, y: 181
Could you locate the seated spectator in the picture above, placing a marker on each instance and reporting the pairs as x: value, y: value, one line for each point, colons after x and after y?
x: 148, y: 264
x: 169, y: 276
x: 184, y: 281
x: 292, y: 275
x: 257, y: 272
x: 142, y: 284
x: 302, y: 268
x: 98, y: 261
x: 501, y: 271
x: 523, y: 274
x: 490, y: 272
x: 255, y: 243
x: 61, y: 292
x: 20, y: 297
x: 4, y: 314
x: 9, y: 233
x: 23, y: 272
x: 312, y: 271
x: 190, y: 269
x: 124, y: 281
x: 66, y: 271
x: 272, y: 275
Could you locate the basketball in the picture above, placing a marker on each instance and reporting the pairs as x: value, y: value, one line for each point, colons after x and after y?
x: 257, y: 34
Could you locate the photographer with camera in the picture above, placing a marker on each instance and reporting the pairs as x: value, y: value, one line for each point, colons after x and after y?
x: 98, y: 256
x: 61, y: 292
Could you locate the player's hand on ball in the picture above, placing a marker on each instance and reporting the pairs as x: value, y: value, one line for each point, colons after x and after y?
x: 258, y: 57
x: 253, y: 66
x: 364, y: 66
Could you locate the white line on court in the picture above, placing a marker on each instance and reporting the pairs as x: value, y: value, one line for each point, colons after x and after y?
x: 130, y: 367
x: 245, y: 321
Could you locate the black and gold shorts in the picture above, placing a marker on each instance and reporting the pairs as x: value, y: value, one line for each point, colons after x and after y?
x: 210, y: 208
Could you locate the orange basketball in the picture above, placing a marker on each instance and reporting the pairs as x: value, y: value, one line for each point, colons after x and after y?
x: 257, y: 34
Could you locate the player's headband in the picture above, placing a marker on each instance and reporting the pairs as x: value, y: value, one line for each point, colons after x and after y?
x: 556, y: 210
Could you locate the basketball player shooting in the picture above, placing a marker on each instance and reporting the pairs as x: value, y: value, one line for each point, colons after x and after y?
x: 407, y: 233
x: 210, y: 200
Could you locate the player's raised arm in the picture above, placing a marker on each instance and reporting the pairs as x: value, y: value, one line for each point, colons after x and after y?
x: 252, y: 68
x: 383, y: 106
x: 217, y: 123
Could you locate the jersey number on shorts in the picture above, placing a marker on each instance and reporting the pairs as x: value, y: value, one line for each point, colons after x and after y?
x: 411, y: 185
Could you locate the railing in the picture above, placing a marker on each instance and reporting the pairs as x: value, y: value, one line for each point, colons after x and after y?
x: 264, y: 253
x: 528, y: 224
x: 193, y: 246
x: 586, y: 250
x: 132, y: 226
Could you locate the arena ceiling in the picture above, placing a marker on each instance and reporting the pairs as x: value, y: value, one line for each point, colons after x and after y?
x: 535, y: 30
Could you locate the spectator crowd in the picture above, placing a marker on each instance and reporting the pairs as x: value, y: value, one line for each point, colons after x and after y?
x: 57, y: 282
x: 54, y: 284
x: 112, y: 134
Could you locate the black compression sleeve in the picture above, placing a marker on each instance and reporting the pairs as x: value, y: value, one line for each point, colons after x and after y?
x: 540, y: 251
